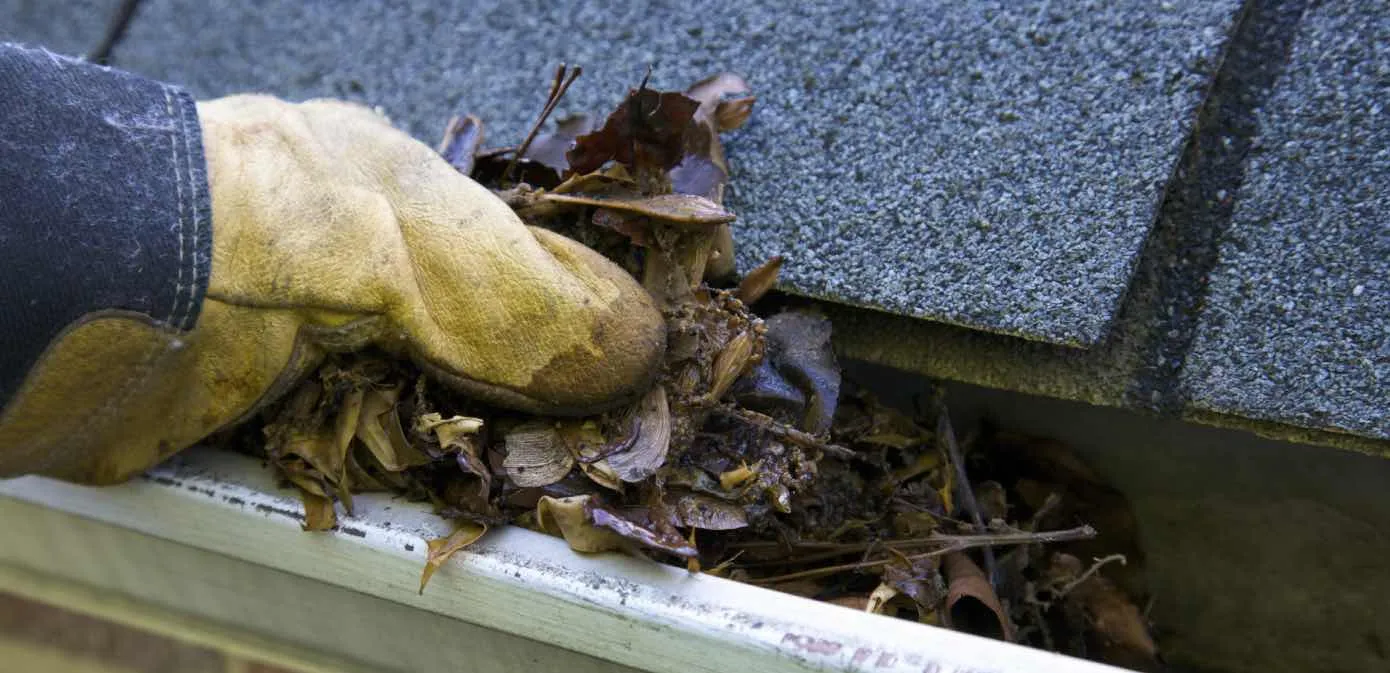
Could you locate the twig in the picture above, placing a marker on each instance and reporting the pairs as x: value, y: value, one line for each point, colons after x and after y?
x: 557, y: 91
x: 115, y: 30
x: 955, y: 543
x: 782, y: 431
x: 1090, y: 572
x: 947, y: 435
x: 1020, y: 537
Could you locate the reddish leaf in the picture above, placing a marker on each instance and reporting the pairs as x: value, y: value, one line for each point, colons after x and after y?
x: 646, y: 132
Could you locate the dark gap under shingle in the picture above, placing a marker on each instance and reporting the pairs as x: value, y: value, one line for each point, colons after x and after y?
x: 1170, y: 286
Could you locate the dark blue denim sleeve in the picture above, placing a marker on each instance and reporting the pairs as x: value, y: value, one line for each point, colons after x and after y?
x: 103, y: 202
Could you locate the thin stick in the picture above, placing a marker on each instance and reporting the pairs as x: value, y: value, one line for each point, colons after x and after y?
x: 967, y: 494
x: 957, y: 543
x: 783, y: 431
x: 1090, y: 572
x: 557, y: 91
x: 1020, y: 537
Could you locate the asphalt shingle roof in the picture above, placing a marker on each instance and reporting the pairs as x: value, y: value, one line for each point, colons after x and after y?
x: 942, y: 160
x: 1297, y: 324
x: 993, y: 167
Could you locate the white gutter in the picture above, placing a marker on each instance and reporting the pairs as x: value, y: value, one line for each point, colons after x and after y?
x: 513, y: 583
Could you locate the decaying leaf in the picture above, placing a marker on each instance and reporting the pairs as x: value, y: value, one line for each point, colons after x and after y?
x: 569, y: 519
x: 653, y: 439
x: 536, y: 455
x: 749, y: 447
x: 440, y: 549
x: 379, y: 429
x: 455, y: 435
x: 682, y: 209
x: 971, y: 604
x: 638, y: 527
x: 695, y: 510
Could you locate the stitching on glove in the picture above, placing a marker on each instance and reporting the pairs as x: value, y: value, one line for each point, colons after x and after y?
x: 178, y: 190
x: 182, y: 322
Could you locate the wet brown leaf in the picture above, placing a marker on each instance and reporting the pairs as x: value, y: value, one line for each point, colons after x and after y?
x: 440, y: 549
x: 536, y: 454
x: 682, y: 209
x: 971, y: 604
x: 695, y: 510
x: 653, y: 439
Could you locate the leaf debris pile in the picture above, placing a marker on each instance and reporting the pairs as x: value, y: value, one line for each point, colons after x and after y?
x: 750, y: 458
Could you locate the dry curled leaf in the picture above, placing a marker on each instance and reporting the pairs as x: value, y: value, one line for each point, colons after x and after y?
x: 646, y: 132
x: 440, y: 549
x: 379, y: 429
x: 759, y: 281
x: 318, y: 512
x: 653, y: 439
x: 731, y: 363
x: 603, y: 474
x: 971, y: 604
x: 536, y: 455
x: 455, y: 435
x: 732, y: 114
x: 888, y: 600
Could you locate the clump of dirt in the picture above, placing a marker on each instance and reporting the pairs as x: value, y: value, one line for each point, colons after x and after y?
x: 750, y: 458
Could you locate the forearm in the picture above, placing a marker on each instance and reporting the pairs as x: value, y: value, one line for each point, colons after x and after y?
x: 104, y: 203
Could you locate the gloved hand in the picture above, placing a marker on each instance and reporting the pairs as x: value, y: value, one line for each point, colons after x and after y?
x: 333, y: 231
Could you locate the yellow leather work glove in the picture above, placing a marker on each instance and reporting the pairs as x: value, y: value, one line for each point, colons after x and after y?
x: 333, y: 231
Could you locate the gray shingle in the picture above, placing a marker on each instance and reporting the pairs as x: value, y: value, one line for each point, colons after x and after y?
x: 1297, y: 325
x: 69, y: 27
x: 992, y: 164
